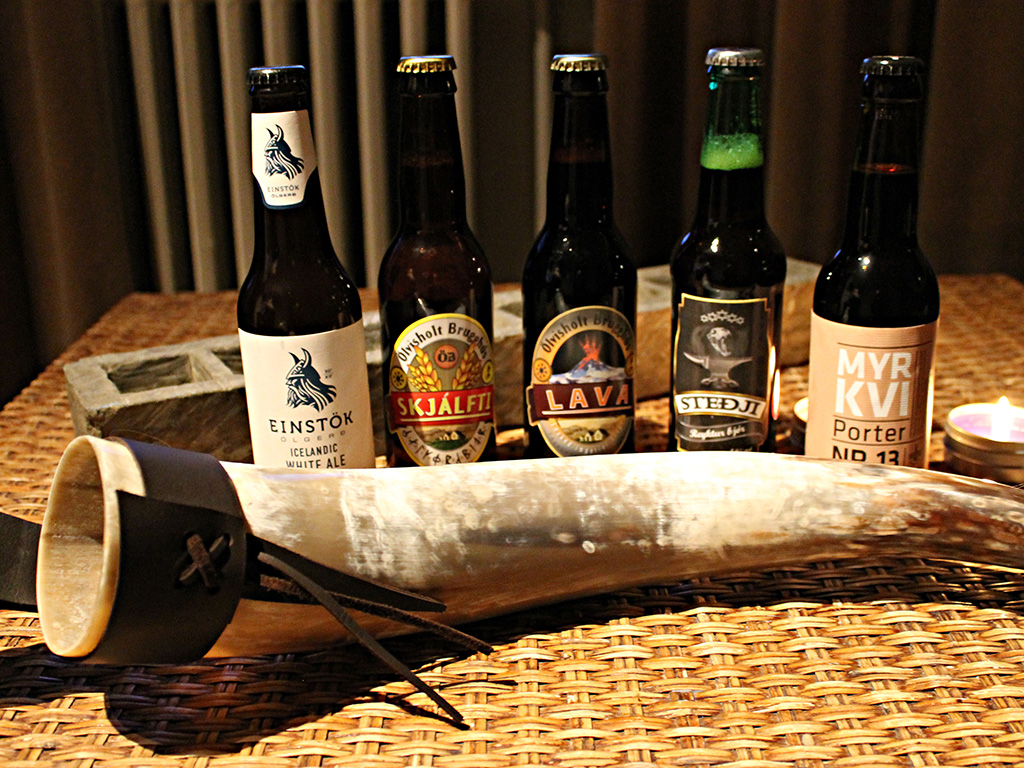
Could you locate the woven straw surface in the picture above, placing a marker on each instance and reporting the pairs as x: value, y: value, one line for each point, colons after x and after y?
x: 861, y: 663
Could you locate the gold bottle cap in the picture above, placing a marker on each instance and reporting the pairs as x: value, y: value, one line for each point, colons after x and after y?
x: 579, y: 62
x: 414, y: 65
x: 735, y: 57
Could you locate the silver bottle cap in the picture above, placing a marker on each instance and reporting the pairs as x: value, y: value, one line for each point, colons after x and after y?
x: 735, y: 57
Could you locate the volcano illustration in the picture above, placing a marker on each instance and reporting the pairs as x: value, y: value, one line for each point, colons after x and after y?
x: 591, y: 369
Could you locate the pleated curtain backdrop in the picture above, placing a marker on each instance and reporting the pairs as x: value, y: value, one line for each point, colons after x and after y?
x: 75, y: 234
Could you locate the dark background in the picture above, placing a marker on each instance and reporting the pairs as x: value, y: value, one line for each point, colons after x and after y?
x: 74, y: 233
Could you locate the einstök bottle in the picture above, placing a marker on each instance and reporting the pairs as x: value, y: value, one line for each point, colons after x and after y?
x: 299, y: 315
x: 579, y: 284
x: 435, y: 288
x: 728, y: 275
x: 876, y: 303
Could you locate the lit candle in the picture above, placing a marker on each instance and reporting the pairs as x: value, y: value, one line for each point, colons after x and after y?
x: 986, y: 440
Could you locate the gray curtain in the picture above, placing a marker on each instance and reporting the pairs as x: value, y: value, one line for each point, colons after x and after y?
x: 73, y: 222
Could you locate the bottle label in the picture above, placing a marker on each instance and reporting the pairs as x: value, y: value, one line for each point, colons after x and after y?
x: 441, y: 402
x: 580, y: 393
x: 309, y: 399
x: 723, y: 366
x: 283, y: 156
x: 870, y: 393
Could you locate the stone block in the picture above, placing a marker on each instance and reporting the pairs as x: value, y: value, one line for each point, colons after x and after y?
x: 192, y: 395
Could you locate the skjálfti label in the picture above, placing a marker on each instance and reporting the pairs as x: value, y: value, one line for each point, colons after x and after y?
x: 283, y: 156
x: 580, y: 393
x: 441, y: 400
x: 722, y: 369
x: 870, y: 393
x: 308, y: 399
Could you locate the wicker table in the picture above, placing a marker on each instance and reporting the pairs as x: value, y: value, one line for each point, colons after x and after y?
x: 869, y: 662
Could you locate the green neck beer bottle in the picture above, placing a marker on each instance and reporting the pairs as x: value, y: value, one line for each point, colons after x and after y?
x: 876, y: 303
x: 579, y: 284
x: 435, y: 289
x: 727, y: 278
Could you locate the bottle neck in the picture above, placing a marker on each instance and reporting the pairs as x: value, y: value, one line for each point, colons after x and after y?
x: 732, y: 154
x: 431, y: 181
x: 579, y: 186
x: 882, y: 205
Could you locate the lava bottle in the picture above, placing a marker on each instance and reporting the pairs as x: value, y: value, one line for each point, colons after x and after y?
x: 728, y: 274
x: 876, y: 303
x: 299, y: 316
x: 579, y: 284
x: 435, y: 288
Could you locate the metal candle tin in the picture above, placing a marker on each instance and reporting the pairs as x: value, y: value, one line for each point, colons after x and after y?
x: 986, y: 440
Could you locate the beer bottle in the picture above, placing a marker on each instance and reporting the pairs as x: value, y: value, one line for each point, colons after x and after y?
x: 299, y: 316
x: 435, y: 288
x: 876, y: 303
x: 727, y: 277
x: 579, y: 284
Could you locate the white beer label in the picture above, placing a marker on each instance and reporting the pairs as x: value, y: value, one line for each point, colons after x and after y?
x: 870, y: 393
x: 283, y: 156
x: 309, y: 399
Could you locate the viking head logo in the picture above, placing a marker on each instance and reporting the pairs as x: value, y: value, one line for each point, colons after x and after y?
x: 279, y: 156
x: 304, y: 385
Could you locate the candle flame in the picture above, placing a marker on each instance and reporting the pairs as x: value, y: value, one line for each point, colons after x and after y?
x: 1002, y: 420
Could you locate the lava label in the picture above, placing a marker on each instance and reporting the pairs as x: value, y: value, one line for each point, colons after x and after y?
x: 441, y: 401
x: 580, y: 393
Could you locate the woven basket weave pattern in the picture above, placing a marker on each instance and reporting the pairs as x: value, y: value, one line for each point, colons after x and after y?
x: 874, y: 662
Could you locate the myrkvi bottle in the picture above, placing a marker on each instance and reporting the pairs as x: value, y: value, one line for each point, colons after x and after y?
x: 728, y: 274
x: 579, y: 284
x: 876, y: 303
x: 299, y: 316
x: 435, y: 288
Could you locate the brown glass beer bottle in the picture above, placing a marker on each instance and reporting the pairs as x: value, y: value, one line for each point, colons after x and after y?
x: 579, y: 284
x: 300, y: 321
x: 435, y: 288
x: 728, y: 274
x: 876, y: 303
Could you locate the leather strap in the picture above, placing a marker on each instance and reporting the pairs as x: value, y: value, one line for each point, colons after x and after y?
x: 19, y: 543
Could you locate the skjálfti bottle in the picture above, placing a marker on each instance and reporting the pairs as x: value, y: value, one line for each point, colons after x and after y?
x: 579, y: 284
x: 299, y: 316
x: 876, y: 303
x: 435, y: 288
x: 728, y: 275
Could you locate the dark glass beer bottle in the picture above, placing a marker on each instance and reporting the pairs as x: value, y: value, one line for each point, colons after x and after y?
x: 728, y: 274
x: 435, y: 288
x: 579, y: 284
x: 876, y: 303
x: 299, y: 316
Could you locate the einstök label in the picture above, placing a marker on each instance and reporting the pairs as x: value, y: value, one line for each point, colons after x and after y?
x: 580, y: 393
x: 870, y: 393
x: 283, y: 156
x: 441, y: 401
x: 722, y: 366
x: 309, y: 399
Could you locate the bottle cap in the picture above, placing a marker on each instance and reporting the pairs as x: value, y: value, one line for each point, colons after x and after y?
x: 277, y: 75
x: 892, y: 65
x: 735, y: 57
x: 579, y: 62
x: 414, y: 65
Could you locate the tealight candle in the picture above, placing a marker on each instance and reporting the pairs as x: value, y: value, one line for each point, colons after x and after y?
x: 986, y: 440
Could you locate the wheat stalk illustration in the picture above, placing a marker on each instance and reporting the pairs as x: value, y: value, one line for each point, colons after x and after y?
x: 469, y: 369
x: 422, y: 376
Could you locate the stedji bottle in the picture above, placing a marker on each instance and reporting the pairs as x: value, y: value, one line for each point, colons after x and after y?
x: 876, y: 303
x: 579, y: 284
x: 435, y: 288
x: 299, y: 316
x: 728, y: 275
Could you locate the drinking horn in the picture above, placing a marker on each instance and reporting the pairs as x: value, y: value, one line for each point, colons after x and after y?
x: 151, y: 554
